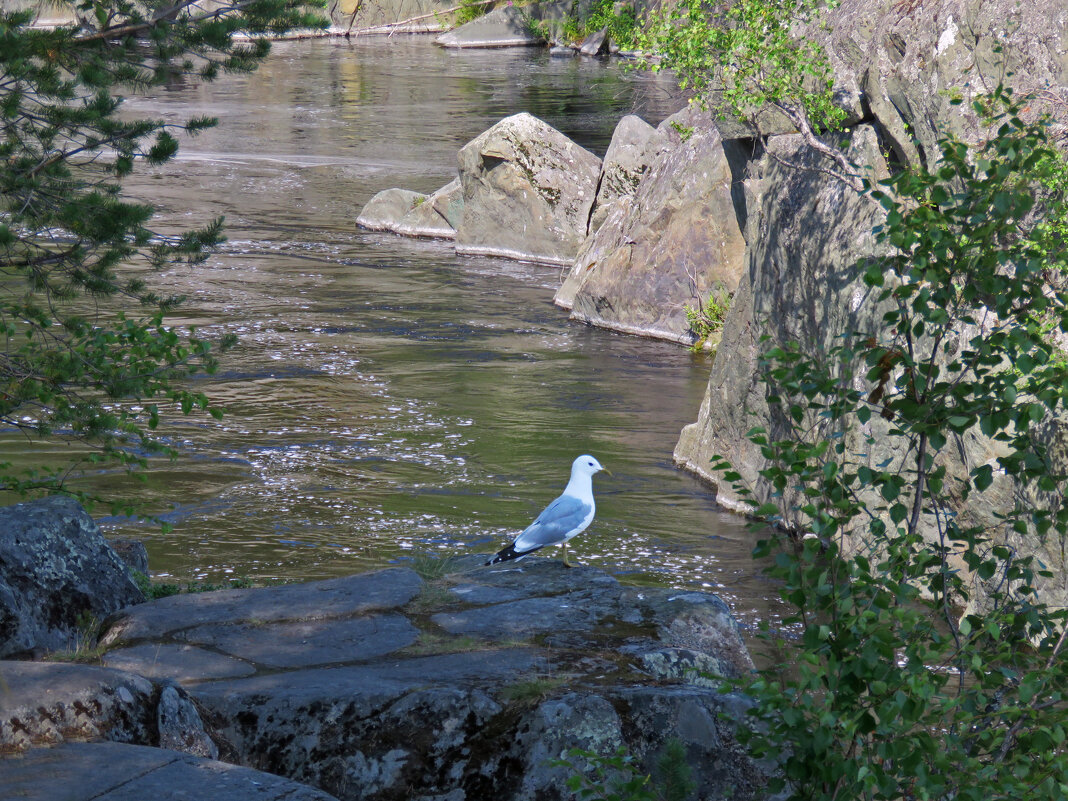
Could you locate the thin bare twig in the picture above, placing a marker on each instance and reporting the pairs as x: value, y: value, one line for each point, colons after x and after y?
x: 410, y: 20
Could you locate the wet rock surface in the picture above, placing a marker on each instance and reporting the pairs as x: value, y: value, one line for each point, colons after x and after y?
x: 385, y: 686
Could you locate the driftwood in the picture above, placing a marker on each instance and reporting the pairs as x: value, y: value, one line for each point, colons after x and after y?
x: 400, y: 23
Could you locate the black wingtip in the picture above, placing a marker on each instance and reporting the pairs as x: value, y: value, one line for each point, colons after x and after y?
x: 508, y: 554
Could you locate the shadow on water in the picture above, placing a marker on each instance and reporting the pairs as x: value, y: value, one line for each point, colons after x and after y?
x: 388, y: 398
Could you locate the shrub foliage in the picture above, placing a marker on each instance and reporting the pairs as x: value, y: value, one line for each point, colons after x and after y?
x: 928, y: 663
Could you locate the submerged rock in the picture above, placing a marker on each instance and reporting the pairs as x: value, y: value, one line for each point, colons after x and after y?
x: 385, y: 210
x: 528, y: 191
x: 58, y: 577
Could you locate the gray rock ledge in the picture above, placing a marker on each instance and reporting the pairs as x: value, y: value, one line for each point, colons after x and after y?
x: 385, y: 686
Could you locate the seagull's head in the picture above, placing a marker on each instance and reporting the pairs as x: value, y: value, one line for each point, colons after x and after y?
x: 587, y: 465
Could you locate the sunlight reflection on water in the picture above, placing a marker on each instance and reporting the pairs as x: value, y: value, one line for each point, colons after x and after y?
x: 387, y: 398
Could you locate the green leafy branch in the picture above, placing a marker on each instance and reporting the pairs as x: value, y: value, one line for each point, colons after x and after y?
x: 617, y: 777
x: 706, y: 321
x: 77, y: 363
x: 928, y: 662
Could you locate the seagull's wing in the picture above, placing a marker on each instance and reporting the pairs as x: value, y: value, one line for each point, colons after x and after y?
x: 565, y: 516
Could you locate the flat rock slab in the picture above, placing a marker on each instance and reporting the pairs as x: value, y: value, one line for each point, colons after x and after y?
x: 118, y: 772
x: 308, y: 643
x: 370, y: 689
x: 583, y: 608
x: 382, y: 680
x: 578, y: 611
x: 181, y: 663
x: 332, y: 598
x: 529, y: 578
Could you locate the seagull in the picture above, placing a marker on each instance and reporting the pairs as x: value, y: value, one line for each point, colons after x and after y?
x: 562, y: 519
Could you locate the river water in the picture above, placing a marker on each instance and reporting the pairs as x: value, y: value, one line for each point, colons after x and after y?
x: 387, y: 398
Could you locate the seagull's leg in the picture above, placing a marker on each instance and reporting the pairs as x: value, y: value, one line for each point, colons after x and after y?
x: 566, y: 563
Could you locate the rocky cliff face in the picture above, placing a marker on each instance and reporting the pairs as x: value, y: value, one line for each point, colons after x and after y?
x: 910, y: 58
x: 805, y: 231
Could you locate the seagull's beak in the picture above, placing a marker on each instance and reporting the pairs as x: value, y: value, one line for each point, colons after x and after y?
x: 605, y: 469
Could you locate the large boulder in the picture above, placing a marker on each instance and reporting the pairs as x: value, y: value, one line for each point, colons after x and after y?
x: 58, y: 577
x: 528, y: 191
x: 507, y: 26
x: 670, y: 244
x: 635, y: 145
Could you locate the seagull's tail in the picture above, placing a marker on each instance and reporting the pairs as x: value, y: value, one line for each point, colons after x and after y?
x: 509, y: 553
